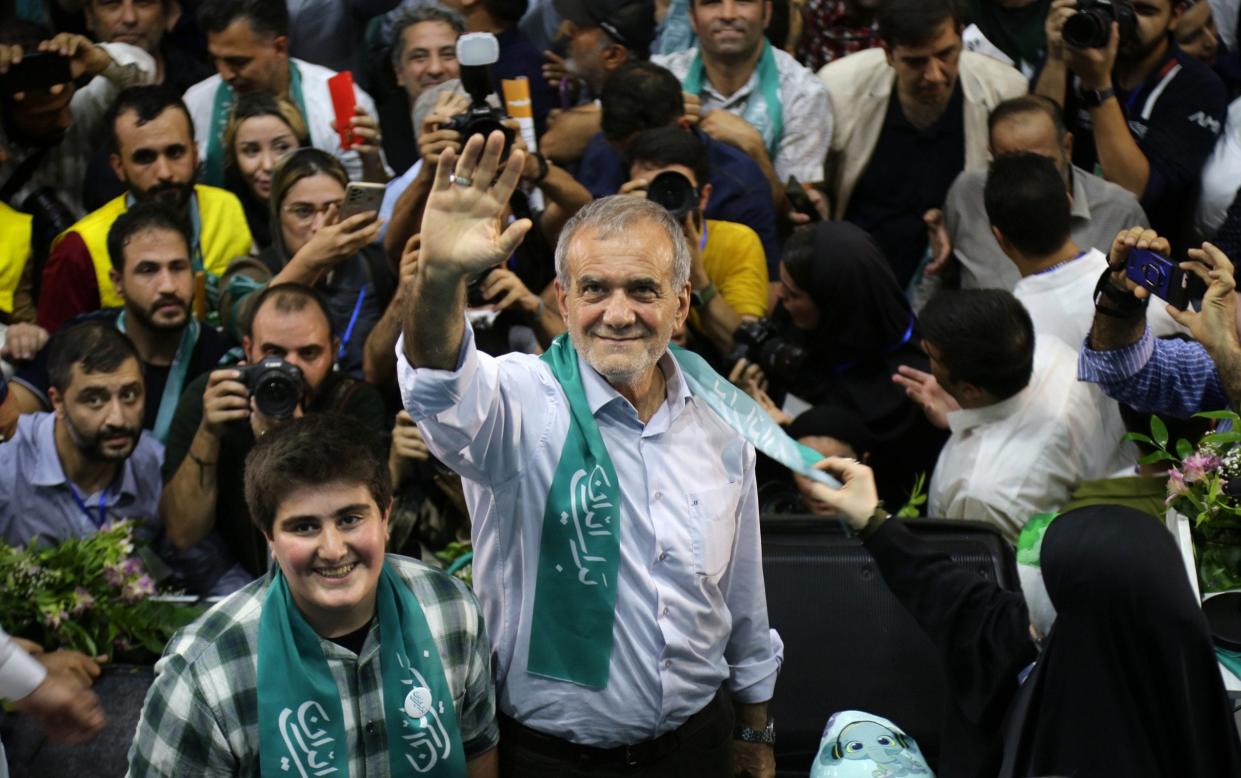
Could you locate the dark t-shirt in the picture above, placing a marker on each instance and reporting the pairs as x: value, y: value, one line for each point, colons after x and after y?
x: 908, y: 174
x: 211, y: 346
x: 739, y: 191
x: 355, y: 399
x: 1175, y: 117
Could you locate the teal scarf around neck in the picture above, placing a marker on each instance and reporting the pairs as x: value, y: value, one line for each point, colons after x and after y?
x: 579, y: 552
x: 222, y: 107
x: 763, y: 111
x: 176, y: 375
x: 301, y: 723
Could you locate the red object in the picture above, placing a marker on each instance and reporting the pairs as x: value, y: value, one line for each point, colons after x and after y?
x: 345, y: 102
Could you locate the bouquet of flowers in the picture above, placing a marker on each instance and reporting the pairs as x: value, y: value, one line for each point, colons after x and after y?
x: 86, y: 594
x: 1204, y: 485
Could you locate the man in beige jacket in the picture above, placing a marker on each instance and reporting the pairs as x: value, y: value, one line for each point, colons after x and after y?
x: 909, y: 117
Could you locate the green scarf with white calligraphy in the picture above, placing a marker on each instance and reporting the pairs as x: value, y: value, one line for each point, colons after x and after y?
x: 301, y: 723
x: 579, y: 553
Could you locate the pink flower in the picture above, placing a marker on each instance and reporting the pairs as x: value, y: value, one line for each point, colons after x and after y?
x: 114, y: 575
x: 1196, y: 466
x: 1176, y: 485
x: 138, y: 589
x: 132, y: 566
x: 54, y: 619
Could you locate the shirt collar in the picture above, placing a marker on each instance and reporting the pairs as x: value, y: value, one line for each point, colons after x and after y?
x: 963, y: 421
x: 600, y: 393
x: 1081, y: 203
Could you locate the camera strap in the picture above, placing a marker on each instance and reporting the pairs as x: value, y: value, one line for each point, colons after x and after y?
x: 176, y: 376
x: 25, y: 169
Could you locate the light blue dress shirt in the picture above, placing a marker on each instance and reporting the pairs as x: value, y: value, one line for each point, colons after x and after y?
x: 691, y: 610
x: 36, y: 503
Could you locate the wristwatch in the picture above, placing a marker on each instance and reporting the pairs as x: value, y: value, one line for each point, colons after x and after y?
x: 543, y: 168
x: 1093, y: 98
x: 1111, y: 300
x: 766, y: 735
x: 700, y: 297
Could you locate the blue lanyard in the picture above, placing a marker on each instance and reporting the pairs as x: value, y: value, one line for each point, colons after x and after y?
x: 103, y: 506
x: 909, y: 333
x: 353, y: 320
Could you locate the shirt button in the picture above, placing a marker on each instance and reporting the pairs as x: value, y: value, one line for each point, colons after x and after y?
x: 370, y: 728
x: 667, y: 663
x: 663, y: 557
x: 658, y: 495
x: 665, y: 610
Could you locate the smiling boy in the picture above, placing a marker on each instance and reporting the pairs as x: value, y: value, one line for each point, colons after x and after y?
x: 341, y: 661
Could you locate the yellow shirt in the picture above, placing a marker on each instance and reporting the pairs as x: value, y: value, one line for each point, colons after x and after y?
x: 15, y: 235
x: 735, y: 263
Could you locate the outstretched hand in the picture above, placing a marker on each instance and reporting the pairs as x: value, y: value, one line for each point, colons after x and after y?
x: 461, y: 229
x: 924, y: 389
x: 1215, y: 326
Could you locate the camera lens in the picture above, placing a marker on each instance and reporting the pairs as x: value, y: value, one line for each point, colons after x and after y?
x: 674, y: 192
x: 277, y: 395
x: 1088, y: 29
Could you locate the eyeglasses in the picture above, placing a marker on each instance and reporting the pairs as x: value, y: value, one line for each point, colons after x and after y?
x: 304, y: 212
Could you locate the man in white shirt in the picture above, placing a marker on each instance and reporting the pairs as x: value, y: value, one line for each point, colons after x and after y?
x: 249, y: 42
x: 610, y: 651
x: 1024, y: 430
x: 1030, y: 218
x: 753, y: 95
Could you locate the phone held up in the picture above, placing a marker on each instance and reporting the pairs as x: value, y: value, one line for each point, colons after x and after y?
x: 1160, y: 276
x: 361, y: 197
x: 38, y: 71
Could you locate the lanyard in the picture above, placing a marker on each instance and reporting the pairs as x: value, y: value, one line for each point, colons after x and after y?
x: 176, y: 376
x: 353, y: 320
x: 909, y: 333
x: 103, y: 506
x: 1133, y: 96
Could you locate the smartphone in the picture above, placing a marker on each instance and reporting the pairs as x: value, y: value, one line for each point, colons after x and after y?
x: 344, y: 101
x: 38, y: 70
x: 1159, y: 275
x: 799, y: 200
x: 361, y: 197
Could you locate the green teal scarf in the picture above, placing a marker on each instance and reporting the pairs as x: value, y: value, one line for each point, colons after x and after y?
x: 176, y: 376
x: 301, y: 724
x: 763, y: 111
x: 579, y: 553
x: 213, y: 165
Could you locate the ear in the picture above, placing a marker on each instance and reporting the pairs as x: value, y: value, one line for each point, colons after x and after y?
x: 683, y: 303
x: 88, y: 17
x: 704, y: 198
x: 174, y: 15
x: 246, y: 343
x: 562, y: 300
x: 114, y: 160
x: 335, y: 348
x: 613, y: 56
x: 767, y: 14
x: 281, y: 44
x: 115, y: 277
x: 57, y: 400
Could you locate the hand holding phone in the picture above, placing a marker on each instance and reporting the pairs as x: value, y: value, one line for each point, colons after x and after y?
x: 36, y: 71
x: 1158, y: 275
x: 344, y: 102
x: 361, y: 197
x: 800, y: 200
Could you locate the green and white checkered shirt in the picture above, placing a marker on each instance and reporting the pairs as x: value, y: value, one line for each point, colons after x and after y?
x: 201, y: 716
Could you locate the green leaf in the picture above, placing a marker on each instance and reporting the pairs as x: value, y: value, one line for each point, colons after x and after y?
x: 1184, y: 449
x: 1156, y: 456
x: 1219, y: 415
x: 1222, y: 437
x: 1138, y: 437
x: 1159, y: 431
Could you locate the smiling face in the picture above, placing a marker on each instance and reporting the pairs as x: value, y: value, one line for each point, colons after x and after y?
x: 261, y: 141
x: 729, y: 29
x: 102, y: 411
x: 157, y: 280
x: 429, y: 58
x: 329, y: 543
x: 141, y: 23
x: 620, y: 305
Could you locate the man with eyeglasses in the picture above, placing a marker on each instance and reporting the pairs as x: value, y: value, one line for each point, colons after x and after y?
x: 153, y: 153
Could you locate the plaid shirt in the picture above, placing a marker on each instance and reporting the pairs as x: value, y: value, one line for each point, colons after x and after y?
x: 201, y: 716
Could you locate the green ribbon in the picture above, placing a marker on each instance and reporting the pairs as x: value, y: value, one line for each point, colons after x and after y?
x: 765, y: 115
x: 301, y: 723
x: 1030, y: 542
x: 176, y: 375
x: 579, y: 552
x: 213, y: 165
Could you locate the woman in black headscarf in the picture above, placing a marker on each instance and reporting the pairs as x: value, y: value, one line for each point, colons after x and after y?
x: 1126, y: 683
x: 840, y: 302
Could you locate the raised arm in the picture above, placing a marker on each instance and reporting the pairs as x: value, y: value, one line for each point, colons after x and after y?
x: 461, y: 237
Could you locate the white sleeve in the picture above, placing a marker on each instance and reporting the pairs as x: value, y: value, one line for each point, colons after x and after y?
x: 20, y: 673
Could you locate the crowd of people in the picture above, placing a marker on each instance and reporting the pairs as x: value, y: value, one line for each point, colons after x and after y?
x: 312, y: 289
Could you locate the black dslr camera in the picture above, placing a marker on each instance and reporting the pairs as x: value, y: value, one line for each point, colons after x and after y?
x: 674, y: 192
x: 1091, y: 26
x: 276, y: 386
x: 759, y: 343
x: 476, y: 53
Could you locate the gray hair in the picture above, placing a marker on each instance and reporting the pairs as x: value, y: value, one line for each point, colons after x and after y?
x: 609, y: 216
x: 429, y: 12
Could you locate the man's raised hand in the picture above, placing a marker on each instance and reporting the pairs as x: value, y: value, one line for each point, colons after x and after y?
x: 461, y: 228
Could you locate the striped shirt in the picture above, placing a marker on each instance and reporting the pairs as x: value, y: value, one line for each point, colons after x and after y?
x: 1170, y: 377
x: 201, y: 715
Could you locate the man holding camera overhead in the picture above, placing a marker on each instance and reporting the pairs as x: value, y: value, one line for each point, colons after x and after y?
x: 1143, y: 113
x: 290, y: 349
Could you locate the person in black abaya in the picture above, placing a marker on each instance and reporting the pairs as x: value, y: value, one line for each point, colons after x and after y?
x: 1126, y: 682
x: 840, y: 302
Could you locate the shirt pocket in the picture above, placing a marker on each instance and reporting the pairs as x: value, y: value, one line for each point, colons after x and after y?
x: 713, y: 526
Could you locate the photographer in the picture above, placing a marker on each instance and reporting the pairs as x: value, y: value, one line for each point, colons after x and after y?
x: 222, y: 414
x: 728, y: 270
x: 842, y: 313
x: 1168, y: 377
x: 1142, y: 111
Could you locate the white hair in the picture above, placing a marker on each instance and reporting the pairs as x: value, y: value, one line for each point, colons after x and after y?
x: 609, y: 216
